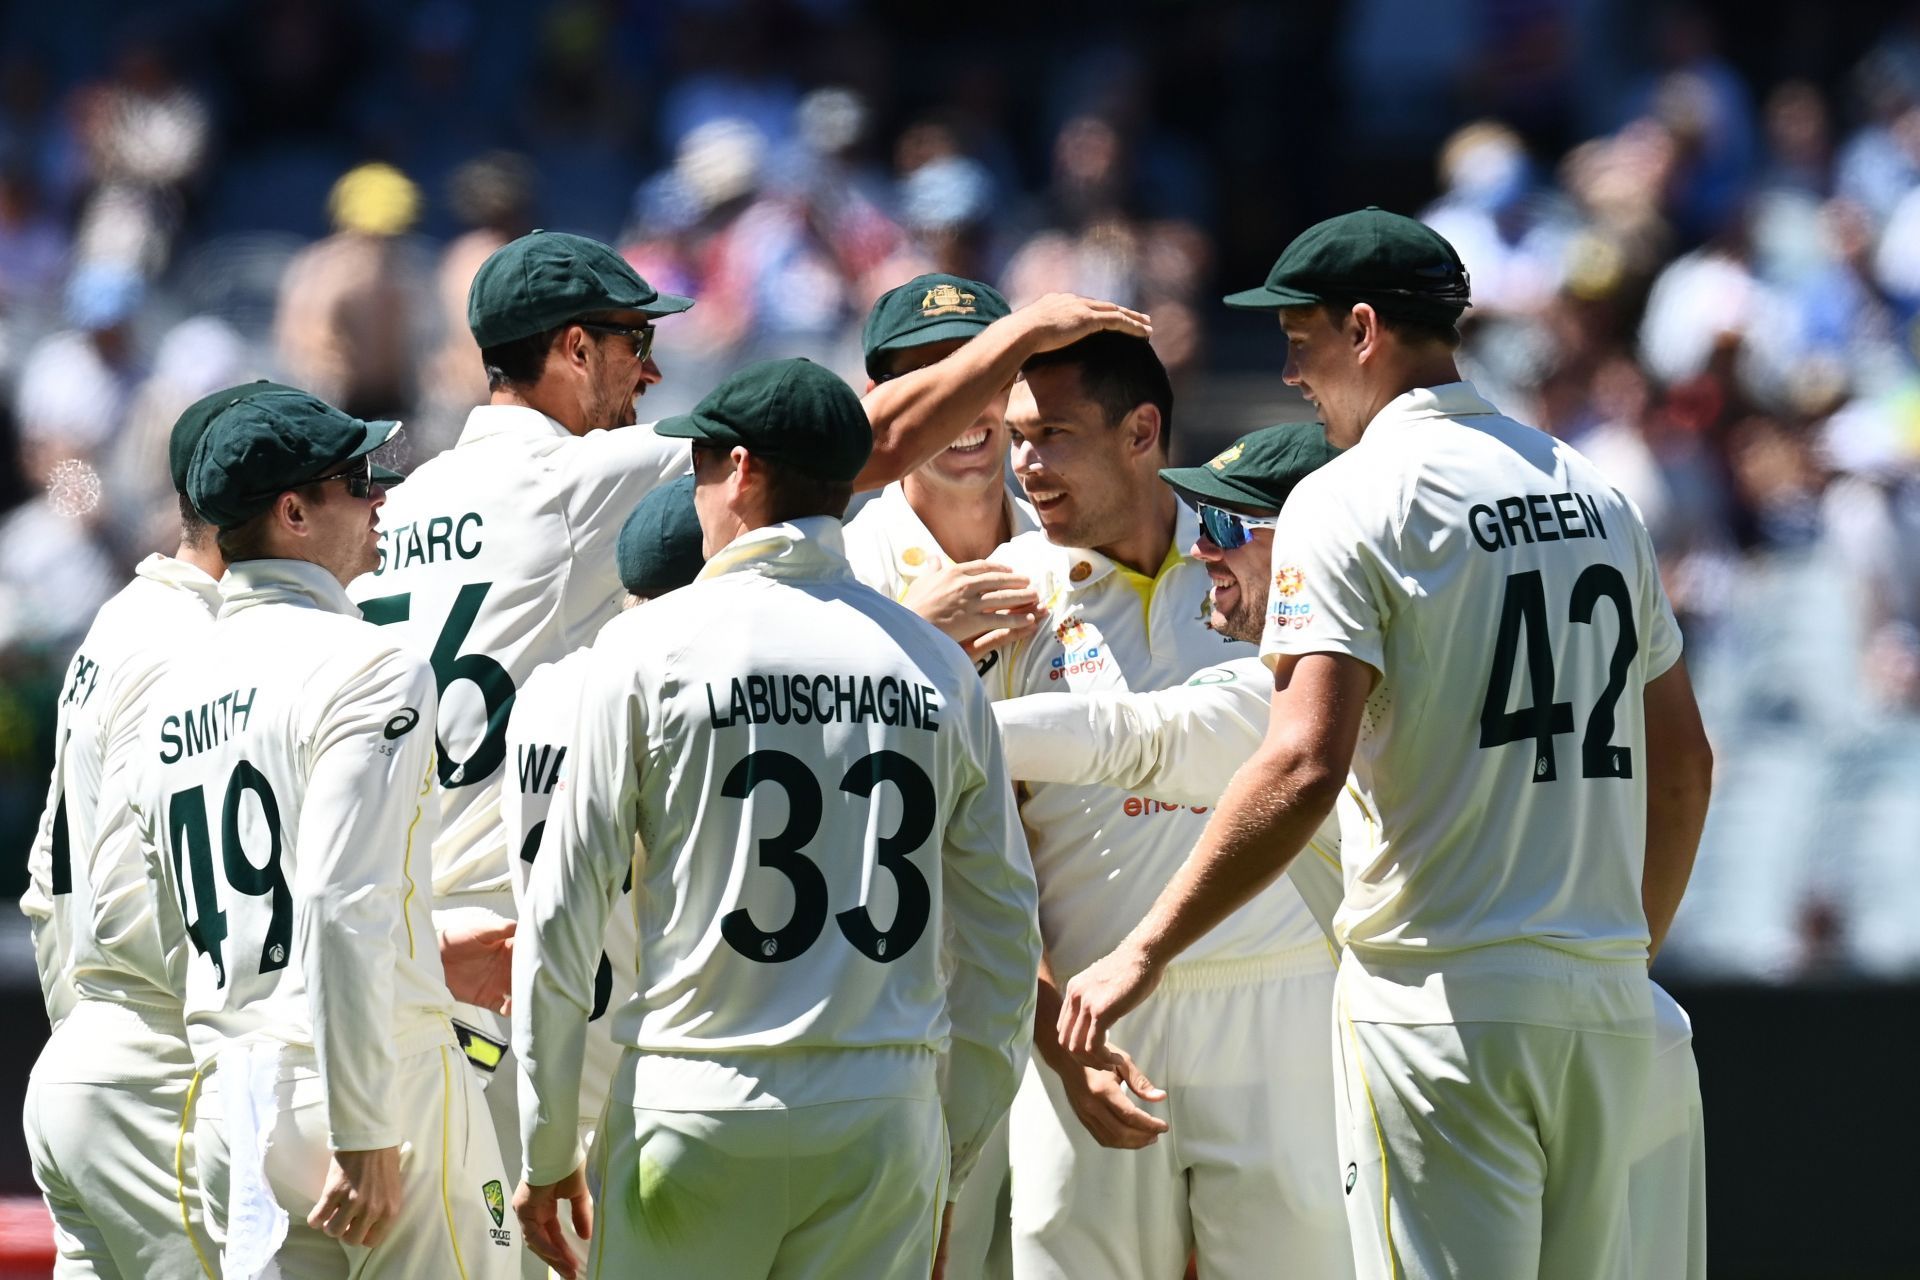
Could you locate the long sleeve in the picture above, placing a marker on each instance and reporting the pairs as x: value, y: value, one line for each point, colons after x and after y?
x: 127, y: 932
x: 363, y: 809
x: 1179, y: 744
x: 50, y: 943
x: 585, y: 853
x: 993, y: 949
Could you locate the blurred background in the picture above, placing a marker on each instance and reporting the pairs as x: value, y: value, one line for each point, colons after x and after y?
x: 1693, y: 232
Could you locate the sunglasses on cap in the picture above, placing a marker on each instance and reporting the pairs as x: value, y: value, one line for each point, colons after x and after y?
x: 1229, y: 530
x: 358, y: 478
x: 641, y: 335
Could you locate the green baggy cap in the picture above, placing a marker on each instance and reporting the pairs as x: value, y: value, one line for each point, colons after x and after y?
x: 193, y: 420
x: 1258, y: 470
x: 659, y: 546
x: 793, y: 411
x: 1395, y: 262
x: 547, y: 278
x: 258, y: 447
x: 929, y: 308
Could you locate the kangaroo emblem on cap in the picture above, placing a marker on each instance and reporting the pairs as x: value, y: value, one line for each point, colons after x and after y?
x: 1228, y: 456
x: 946, y: 300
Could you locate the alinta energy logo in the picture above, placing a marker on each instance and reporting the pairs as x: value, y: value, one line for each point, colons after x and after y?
x: 1080, y: 652
x: 1282, y: 608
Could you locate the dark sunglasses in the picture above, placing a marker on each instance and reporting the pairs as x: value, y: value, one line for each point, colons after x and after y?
x: 1228, y: 530
x: 359, y: 480
x: 640, y: 335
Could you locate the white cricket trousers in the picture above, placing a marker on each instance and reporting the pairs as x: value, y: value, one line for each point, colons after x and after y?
x: 105, y: 1125
x: 822, y: 1191
x: 1246, y: 1174
x: 979, y: 1243
x: 1667, y: 1186
x: 452, y: 1182
x: 1488, y: 1150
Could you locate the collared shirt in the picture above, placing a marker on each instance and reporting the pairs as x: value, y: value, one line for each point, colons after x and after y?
x: 1509, y: 598
x: 828, y: 858
x: 286, y: 765
x: 1103, y: 853
x: 88, y: 897
x: 497, y: 556
x: 890, y: 547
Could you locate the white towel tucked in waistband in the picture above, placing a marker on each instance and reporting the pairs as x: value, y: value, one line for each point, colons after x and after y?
x: 256, y: 1224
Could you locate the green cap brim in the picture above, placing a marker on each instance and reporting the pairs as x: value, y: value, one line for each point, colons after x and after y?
x: 1204, y: 484
x: 687, y: 426
x: 1269, y: 298
x: 378, y: 434
x: 942, y: 331
x: 665, y: 304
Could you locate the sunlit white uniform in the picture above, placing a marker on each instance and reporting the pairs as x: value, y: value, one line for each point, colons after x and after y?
x: 1183, y: 745
x: 105, y: 1110
x: 1492, y: 925
x: 496, y: 556
x: 286, y: 765
x: 834, y: 894
x: 1246, y: 1173
x: 891, y: 548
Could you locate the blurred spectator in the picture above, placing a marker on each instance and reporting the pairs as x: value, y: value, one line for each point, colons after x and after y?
x: 33, y: 244
x: 75, y: 385
x: 346, y: 322
x: 1513, y: 236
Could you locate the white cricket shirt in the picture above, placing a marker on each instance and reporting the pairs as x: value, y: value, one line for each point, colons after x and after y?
x: 1178, y: 745
x: 497, y: 556
x: 832, y: 858
x: 1509, y: 599
x: 286, y: 766
x: 537, y: 736
x: 1103, y: 853
x: 92, y: 907
x: 890, y: 547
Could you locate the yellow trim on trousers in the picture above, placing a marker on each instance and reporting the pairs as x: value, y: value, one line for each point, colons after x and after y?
x: 180, y: 1177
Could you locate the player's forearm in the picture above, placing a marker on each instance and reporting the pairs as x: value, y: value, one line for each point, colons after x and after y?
x: 344, y: 945
x: 549, y: 1038
x: 1677, y: 797
x: 918, y: 414
x: 1267, y: 814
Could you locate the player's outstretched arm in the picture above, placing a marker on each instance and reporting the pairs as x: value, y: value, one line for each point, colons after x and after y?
x: 918, y: 414
x: 1271, y: 809
x: 992, y: 938
x: 538, y: 1209
x: 982, y: 605
x: 1679, y: 781
x: 571, y: 890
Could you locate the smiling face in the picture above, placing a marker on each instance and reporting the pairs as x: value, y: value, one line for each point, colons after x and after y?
x: 1322, y: 362
x: 615, y: 375
x: 977, y: 460
x: 1241, y: 578
x: 1074, y: 465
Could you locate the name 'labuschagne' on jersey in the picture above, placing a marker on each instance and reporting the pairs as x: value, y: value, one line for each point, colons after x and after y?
x: 1535, y: 517
x: 824, y: 699
x: 206, y: 726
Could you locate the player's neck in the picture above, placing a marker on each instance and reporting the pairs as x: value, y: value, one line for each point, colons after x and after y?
x: 967, y: 523
x: 1144, y: 549
x: 207, y: 559
x: 540, y: 400
x: 1417, y: 370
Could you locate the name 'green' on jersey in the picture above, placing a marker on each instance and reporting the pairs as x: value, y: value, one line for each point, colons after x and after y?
x: 497, y: 556
x: 1509, y: 598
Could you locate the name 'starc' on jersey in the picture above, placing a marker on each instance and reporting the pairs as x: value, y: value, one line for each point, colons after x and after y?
x: 446, y: 538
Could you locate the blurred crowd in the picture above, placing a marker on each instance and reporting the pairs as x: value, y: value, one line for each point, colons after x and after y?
x: 1707, y: 278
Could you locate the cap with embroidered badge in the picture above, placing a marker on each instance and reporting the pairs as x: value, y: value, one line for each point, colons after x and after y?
x: 659, y: 545
x: 193, y: 420
x: 1258, y: 470
x: 1397, y: 263
x: 547, y: 278
x: 931, y: 308
x: 259, y: 446
x: 793, y: 411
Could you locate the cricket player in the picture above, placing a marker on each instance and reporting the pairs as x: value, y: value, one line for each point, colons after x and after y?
x: 925, y: 539
x: 1181, y: 746
x: 1505, y: 884
x: 1230, y: 1162
x: 658, y: 551
x: 107, y: 1118
x: 284, y: 788
x: 804, y: 781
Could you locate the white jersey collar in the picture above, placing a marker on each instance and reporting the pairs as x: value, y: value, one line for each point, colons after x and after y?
x: 181, y: 576
x: 1448, y: 400
x: 488, y: 420
x: 810, y: 547
x: 917, y: 552
x: 296, y: 582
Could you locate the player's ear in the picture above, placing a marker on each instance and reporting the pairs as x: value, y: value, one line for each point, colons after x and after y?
x: 1143, y: 426
x: 1363, y: 330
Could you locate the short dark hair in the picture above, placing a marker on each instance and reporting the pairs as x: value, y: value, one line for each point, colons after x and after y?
x: 520, y: 362
x: 1414, y: 325
x: 194, y: 527
x: 792, y: 494
x: 1118, y: 372
x: 247, y: 541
